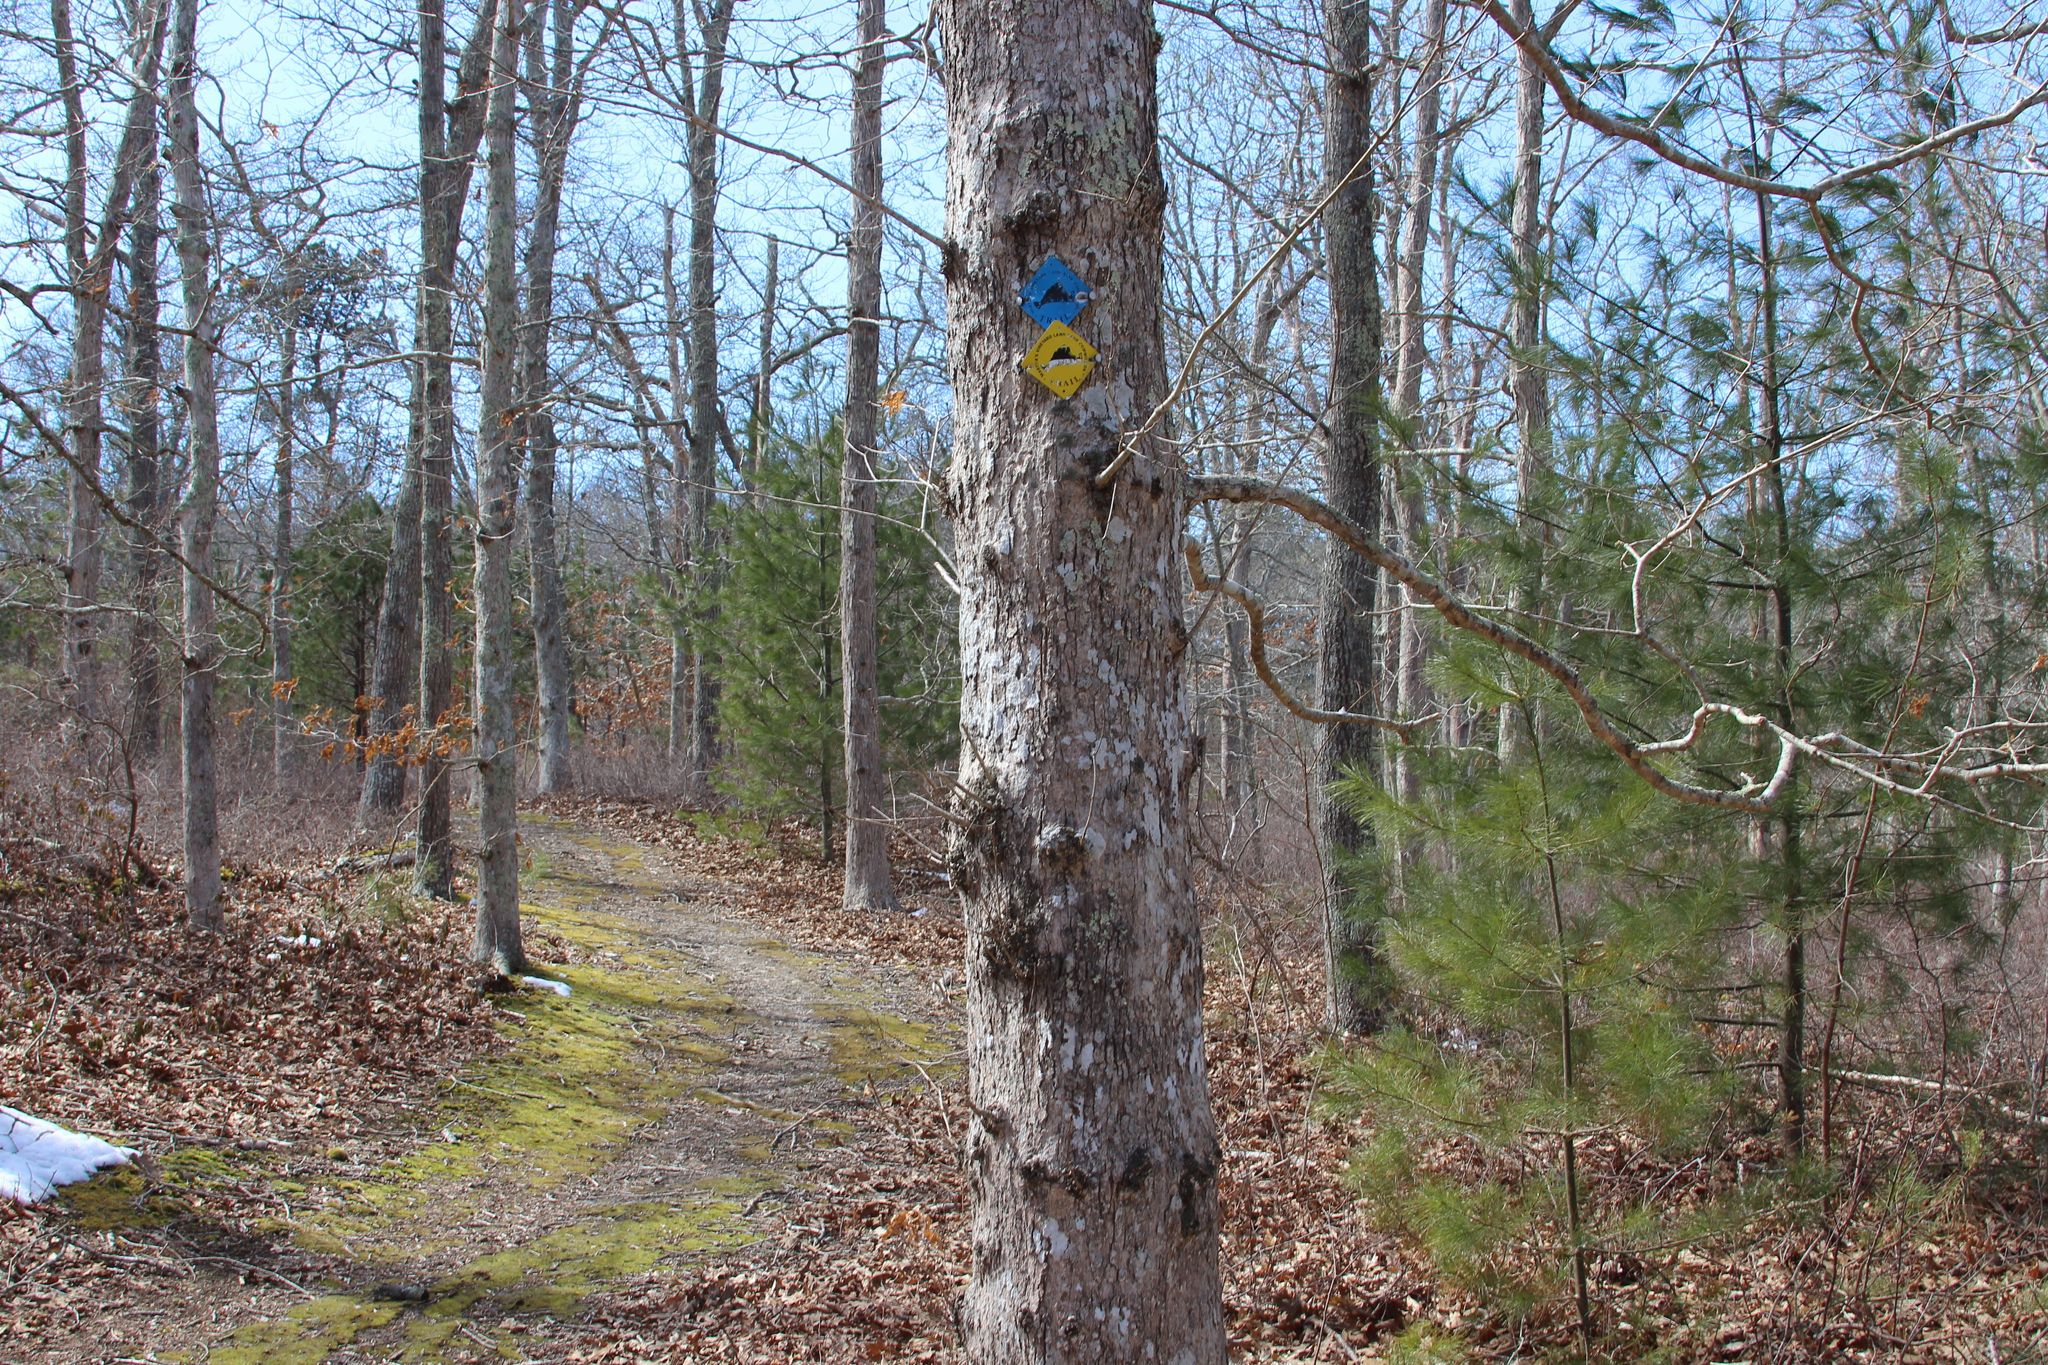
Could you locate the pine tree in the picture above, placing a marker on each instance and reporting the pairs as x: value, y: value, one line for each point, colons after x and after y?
x: 778, y: 638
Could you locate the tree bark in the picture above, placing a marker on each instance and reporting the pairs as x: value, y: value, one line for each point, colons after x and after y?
x: 553, y: 106
x: 1347, y: 660
x: 679, y: 659
x: 1412, y: 693
x: 283, y: 723
x: 398, y: 633
x: 497, y: 740
x: 1092, y: 1153
x: 1527, y: 382
x: 867, y: 885
x: 701, y: 147
x: 448, y: 142
x: 764, y: 374
x: 202, y: 480
x: 140, y: 402
x: 89, y: 257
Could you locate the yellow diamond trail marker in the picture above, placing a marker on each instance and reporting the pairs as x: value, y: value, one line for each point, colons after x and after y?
x: 1060, y: 360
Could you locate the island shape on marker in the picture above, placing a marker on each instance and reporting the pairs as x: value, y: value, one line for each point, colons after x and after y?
x: 1061, y: 360
x: 1055, y: 294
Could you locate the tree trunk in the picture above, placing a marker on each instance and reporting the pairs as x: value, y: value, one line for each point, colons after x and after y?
x: 867, y: 818
x: 702, y: 151
x: 398, y: 635
x: 202, y: 480
x: 448, y: 142
x: 1347, y: 661
x: 1527, y: 382
x: 89, y: 260
x: 553, y: 119
x: 140, y: 402
x: 497, y: 738
x: 1411, y: 690
x: 1092, y: 1154
x: 679, y: 663
x: 764, y: 374
x: 283, y: 724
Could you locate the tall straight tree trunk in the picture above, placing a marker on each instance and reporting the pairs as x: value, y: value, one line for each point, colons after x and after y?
x: 202, y: 480
x: 867, y: 829
x: 702, y: 150
x: 448, y: 142
x: 89, y: 258
x: 764, y: 373
x: 1791, y: 868
x: 398, y: 632
x: 283, y: 724
x: 497, y: 738
x: 1528, y: 383
x: 1092, y: 1153
x: 1347, y: 660
x: 681, y: 569
x: 141, y: 400
x: 1411, y: 687
x: 553, y: 118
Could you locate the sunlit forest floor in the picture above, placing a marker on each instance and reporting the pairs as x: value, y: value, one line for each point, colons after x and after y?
x: 736, y: 1138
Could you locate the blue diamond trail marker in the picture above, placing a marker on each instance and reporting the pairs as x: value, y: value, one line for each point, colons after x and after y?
x: 1055, y: 294
x: 1060, y: 359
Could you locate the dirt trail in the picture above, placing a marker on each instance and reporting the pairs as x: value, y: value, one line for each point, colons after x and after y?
x: 656, y: 1113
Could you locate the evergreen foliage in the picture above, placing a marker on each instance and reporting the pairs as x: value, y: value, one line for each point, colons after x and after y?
x: 778, y: 636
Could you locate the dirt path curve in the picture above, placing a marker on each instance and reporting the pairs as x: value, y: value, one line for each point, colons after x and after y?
x: 655, y: 1113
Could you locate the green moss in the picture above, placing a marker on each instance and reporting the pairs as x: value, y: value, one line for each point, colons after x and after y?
x: 306, y: 1335
x: 156, y: 1192
x: 870, y: 1047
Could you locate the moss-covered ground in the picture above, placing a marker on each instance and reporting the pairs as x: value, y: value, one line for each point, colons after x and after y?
x: 637, y: 1121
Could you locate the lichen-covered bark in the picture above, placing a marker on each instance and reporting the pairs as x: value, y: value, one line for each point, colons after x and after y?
x: 1092, y: 1152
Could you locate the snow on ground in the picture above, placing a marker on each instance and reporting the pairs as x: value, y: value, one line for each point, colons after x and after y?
x: 36, y: 1157
x: 558, y: 987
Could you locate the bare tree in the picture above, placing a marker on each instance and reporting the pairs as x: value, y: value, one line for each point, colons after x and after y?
x: 448, y: 142
x: 415, y: 588
x: 867, y: 829
x: 90, y: 250
x: 554, y: 81
x: 196, y: 512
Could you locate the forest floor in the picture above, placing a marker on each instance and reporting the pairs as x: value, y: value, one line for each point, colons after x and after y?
x: 736, y: 1139
x: 692, y: 1088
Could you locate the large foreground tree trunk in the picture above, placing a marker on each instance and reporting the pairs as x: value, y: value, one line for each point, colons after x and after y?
x: 1347, y: 659
x: 867, y: 829
x: 202, y: 479
x: 497, y: 738
x: 1092, y: 1154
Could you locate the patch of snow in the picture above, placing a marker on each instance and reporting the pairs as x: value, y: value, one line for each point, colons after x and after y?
x: 299, y: 940
x: 36, y: 1156
x: 558, y: 987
